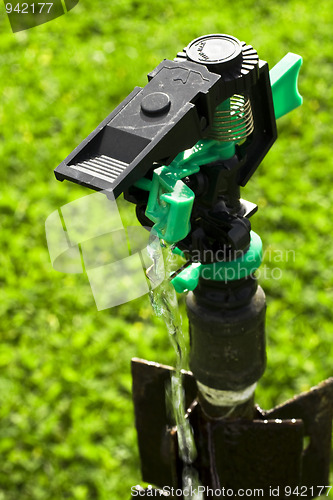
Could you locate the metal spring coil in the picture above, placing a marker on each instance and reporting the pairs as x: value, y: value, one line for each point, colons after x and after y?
x: 234, y: 124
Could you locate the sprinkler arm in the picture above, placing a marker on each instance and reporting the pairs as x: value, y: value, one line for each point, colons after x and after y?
x: 170, y: 201
x: 152, y: 125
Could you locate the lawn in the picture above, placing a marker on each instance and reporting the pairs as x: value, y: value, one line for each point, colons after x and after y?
x: 66, y: 418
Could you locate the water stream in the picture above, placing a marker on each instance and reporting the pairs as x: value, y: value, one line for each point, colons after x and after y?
x: 164, y: 302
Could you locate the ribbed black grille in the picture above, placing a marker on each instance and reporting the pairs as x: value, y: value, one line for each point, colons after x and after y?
x: 102, y: 166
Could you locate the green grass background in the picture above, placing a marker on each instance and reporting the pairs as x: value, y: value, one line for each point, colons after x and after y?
x: 66, y: 418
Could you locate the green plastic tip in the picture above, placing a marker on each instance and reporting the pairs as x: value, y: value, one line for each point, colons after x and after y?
x: 283, y: 78
x: 188, y: 279
x: 178, y: 251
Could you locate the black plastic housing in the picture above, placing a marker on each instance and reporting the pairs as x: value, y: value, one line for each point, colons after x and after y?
x: 171, y: 113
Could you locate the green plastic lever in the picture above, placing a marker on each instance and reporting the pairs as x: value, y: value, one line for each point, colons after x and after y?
x: 170, y: 200
x: 170, y: 205
x: 284, y: 84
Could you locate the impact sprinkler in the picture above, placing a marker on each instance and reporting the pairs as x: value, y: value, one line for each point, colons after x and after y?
x: 180, y: 149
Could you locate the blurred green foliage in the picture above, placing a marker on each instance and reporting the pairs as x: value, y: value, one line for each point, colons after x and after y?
x: 66, y: 418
